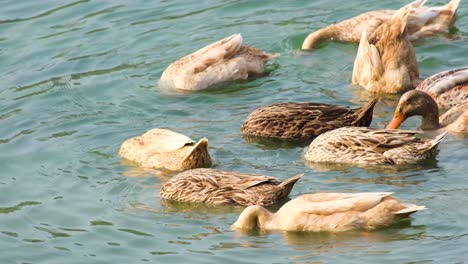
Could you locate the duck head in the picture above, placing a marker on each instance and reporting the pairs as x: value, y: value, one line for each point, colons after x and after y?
x: 416, y: 103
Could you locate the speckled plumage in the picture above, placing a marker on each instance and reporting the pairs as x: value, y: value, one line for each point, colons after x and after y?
x: 222, y: 187
x: 303, y: 121
x: 163, y: 148
x: 332, y: 212
x: 448, y: 88
x: 423, y: 21
x: 360, y: 145
x: 223, y: 61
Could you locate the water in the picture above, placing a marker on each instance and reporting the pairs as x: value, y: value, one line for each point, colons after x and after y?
x: 77, y: 78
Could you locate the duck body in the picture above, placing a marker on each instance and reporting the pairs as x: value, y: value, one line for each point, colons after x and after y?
x: 423, y: 21
x: 332, y: 212
x: 303, y: 121
x: 386, y: 60
x: 223, y: 61
x: 163, y: 148
x: 420, y: 103
x: 368, y: 146
x: 386, y: 63
x: 221, y: 187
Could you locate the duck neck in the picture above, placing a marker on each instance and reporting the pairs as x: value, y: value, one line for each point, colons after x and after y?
x: 313, y: 38
x: 430, y: 120
x: 252, y: 217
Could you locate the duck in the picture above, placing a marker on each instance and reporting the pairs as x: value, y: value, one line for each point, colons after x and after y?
x: 419, y: 103
x: 219, y: 187
x: 220, y: 62
x: 164, y: 148
x: 303, y: 120
x: 423, y: 21
x: 329, y: 212
x: 386, y: 63
x: 371, y: 146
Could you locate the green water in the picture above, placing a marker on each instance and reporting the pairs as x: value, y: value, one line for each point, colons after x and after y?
x: 77, y: 78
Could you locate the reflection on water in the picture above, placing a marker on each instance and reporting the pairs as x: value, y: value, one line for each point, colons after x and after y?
x: 275, y: 143
x: 430, y: 163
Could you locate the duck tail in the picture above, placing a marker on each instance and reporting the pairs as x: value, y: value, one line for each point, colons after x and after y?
x: 289, y: 183
x: 364, y: 114
x: 435, y: 142
x: 285, y: 187
x: 409, y: 209
x: 198, y: 157
x: 452, y: 6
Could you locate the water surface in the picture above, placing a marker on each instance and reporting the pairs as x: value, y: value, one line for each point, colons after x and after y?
x: 77, y: 78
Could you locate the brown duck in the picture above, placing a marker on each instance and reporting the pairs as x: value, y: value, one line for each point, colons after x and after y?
x: 303, y: 121
x: 222, y: 187
x: 419, y: 103
x: 370, y: 146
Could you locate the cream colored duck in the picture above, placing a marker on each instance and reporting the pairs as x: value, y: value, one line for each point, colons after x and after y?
x: 333, y: 212
x: 419, y: 103
x: 223, y: 61
x: 303, y: 121
x: 163, y: 148
x: 369, y: 146
x: 422, y: 21
x: 223, y: 187
x: 386, y: 63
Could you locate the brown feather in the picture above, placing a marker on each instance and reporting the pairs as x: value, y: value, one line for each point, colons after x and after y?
x: 303, y: 121
x: 221, y: 187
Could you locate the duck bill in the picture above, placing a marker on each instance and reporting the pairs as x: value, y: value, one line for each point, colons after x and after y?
x: 396, y: 121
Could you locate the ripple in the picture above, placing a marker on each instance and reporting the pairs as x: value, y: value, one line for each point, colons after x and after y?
x: 54, y: 233
x: 7, y: 210
x: 44, y: 14
x: 135, y: 232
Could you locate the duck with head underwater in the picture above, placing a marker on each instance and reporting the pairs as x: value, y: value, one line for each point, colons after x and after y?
x: 332, y: 212
x: 386, y: 63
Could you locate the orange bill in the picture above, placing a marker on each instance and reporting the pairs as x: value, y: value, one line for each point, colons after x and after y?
x: 396, y: 122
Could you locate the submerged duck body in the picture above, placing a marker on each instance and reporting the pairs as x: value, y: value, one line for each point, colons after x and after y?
x: 419, y: 103
x: 423, y: 21
x: 163, y: 148
x: 303, y: 121
x: 223, y: 61
x: 222, y: 187
x: 333, y: 212
x: 369, y: 146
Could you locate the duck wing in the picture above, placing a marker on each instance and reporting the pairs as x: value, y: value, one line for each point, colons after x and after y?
x: 448, y: 88
x: 241, y: 180
x: 301, y: 120
x: 339, y: 202
x: 164, y: 140
x: 368, y: 66
x: 379, y: 140
x: 213, y: 53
